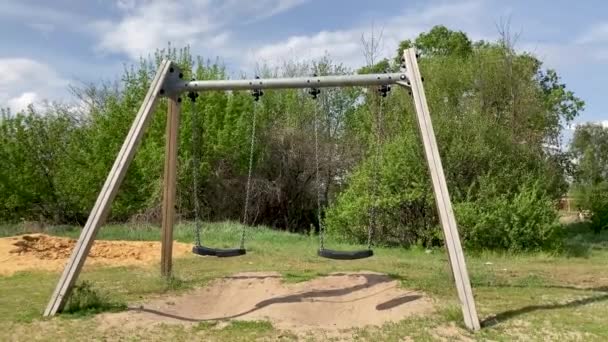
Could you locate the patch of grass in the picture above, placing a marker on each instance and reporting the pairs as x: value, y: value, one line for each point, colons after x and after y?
x: 528, y: 289
x: 413, y: 329
x: 256, y: 326
x: 86, y: 300
x: 11, y: 229
x: 235, y: 331
x: 530, y: 280
x: 204, y: 325
x: 451, y: 313
x: 298, y: 277
x: 174, y: 283
x: 23, y: 295
x: 579, y: 238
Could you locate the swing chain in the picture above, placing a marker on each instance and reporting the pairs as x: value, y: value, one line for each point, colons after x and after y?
x: 195, y: 168
x: 373, y: 210
x: 314, y: 92
x: 256, y: 93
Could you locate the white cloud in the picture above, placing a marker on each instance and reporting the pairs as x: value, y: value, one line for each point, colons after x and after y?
x: 147, y: 25
x: 258, y: 10
x: 126, y: 5
x: 553, y: 55
x: 477, y: 18
x: 572, y: 127
x: 42, y: 16
x: 345, y: 45
x: 211, y: 28
x: 24, y: 81
x: 21, y: 102
x: 44, y: 28
x: 590, y: 47
x: 595, y: 35
x: 600, y: 55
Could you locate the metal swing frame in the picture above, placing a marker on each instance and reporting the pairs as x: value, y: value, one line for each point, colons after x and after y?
x: 168, y: 82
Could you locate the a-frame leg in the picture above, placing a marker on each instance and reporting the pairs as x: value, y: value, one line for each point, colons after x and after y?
x: 168, y: 211
x: 442, y: 197
x: 108, y: 192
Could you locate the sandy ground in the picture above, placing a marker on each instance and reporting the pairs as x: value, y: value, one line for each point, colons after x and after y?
x: 50, y: 253
x: 335, y: 302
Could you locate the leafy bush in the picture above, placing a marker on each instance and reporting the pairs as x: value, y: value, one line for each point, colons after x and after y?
x: 405, y: 208
x: 85, y: 299
x: 590, y: 148
x: 524, y: 221
x: 521, y: 219
x: 595, y: 199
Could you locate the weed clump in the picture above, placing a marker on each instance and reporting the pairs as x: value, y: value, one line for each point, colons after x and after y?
x: 87, y: 300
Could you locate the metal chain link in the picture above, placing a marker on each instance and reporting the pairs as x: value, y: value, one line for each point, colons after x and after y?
x: 318, y: 180
x: 195, y: 169
x: 376, y: 160
x: 248, y: 190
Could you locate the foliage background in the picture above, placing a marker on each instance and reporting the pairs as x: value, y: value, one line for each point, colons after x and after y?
x: 498, y: 115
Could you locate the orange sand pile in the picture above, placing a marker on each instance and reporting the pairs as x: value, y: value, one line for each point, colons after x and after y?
x: 44, y: 252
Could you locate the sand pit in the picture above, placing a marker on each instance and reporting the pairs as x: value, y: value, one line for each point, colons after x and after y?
x: 337, y: 301
x: 49, y: 253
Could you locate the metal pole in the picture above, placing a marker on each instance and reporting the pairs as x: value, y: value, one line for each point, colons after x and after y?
x: 283, y: 83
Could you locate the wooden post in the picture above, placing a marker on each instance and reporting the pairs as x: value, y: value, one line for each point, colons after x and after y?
x: 170, y: 177
x: 108, y: 192
x: 442, y: 197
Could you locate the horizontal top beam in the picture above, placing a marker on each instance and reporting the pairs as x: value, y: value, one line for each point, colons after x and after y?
x: 297, y: 82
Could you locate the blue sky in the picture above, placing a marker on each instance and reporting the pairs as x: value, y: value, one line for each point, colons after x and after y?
x: 45, y: 46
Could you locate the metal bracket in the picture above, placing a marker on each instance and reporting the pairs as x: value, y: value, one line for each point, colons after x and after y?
x: 174, y: 83
x: 405, y: 84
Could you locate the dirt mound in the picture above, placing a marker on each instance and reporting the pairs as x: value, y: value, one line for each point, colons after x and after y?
x: 338, y: 301
x: 51, y: 248
x: 44, y: 252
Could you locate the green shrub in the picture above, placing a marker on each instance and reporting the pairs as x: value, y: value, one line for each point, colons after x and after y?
x: 85, y: 299
x: 524, y: 221
x: 497, y: 213
x: 595, y: 199
x: 405, y: 208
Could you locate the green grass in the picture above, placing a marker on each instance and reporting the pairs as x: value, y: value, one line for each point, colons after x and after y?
x: 528, y: 297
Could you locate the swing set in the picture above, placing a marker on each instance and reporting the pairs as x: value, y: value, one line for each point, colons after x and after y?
x: 200, y: 249
x: 168, y: 82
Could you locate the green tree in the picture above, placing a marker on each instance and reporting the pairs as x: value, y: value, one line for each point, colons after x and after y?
x: 494, y: 111
x: 590, y: 149
x: 439, y: 41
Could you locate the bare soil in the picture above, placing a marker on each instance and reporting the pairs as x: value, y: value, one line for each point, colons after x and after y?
x: 50, y: 253
x: 335, y: 302
x: 339, y: 301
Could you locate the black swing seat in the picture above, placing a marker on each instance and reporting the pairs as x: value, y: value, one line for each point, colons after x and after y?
x: 345, y: 255
x: 219, y: 252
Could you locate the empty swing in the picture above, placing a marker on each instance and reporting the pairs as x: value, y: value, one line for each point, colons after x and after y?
x: 354, y: 254
x: 199, y: 248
